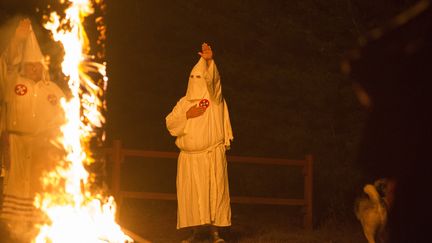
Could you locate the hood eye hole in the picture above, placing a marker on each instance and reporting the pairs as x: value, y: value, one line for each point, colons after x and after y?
x: 191, y: 76
x: 198, y: 76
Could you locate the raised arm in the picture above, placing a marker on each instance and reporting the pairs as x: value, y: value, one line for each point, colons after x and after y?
x: 206, y: 53
x: 12, y: 54
x: 212, y: 76
x: 9, y: 64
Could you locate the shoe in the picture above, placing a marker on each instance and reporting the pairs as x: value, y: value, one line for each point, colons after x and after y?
x: 216, y: 238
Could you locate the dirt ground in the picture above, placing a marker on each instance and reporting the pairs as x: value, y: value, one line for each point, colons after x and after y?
x: 156, y: 222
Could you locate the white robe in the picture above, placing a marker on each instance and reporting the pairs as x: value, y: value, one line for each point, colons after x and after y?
x: 29, y: 111
x: 202, y: 179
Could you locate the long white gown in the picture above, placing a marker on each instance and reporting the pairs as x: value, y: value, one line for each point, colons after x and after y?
x: 29, y: 112
x: 202, y: 179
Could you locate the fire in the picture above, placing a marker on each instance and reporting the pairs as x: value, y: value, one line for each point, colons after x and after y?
x: 75, y: 214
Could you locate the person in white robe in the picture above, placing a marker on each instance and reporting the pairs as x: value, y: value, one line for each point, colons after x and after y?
x: 200, y: 121
x: 30, y: 118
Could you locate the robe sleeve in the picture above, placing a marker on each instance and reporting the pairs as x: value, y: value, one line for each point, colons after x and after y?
x: 3, y: 77
x: 12, y: 56
x: 213, y: 83
x: 228, y: 134
x: 9, y: 67
x: 176, y: 121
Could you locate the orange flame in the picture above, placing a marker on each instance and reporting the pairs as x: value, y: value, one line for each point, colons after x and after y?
x: 75, y: 214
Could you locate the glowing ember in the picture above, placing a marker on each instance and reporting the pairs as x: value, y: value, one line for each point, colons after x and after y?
x: 75, y: 214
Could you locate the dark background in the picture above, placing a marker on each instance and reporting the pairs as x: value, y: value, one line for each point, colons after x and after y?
x: 279, y: 63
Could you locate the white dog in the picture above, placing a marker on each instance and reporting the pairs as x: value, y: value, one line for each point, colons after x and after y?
x: 371, y: 210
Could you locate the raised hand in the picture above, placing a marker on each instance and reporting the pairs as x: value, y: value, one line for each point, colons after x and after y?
x: 206, y: 52
x: 195, y: 111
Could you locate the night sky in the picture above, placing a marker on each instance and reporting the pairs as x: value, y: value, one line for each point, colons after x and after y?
x: 280, y: 71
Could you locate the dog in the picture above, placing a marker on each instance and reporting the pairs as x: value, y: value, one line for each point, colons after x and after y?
x: 371, y: 210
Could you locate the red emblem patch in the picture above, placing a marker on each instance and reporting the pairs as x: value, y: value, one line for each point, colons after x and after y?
x: 52, y: 99
x: 20, y: 89
x: 204, y: 103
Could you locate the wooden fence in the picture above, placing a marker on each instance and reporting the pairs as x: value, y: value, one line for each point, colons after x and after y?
x: 118, y: 155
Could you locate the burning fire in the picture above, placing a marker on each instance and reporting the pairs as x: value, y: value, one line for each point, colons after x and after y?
x: 75, y: 214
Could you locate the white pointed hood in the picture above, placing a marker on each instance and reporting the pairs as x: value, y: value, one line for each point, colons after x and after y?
x: 197, y: 86
x: 32, y: 51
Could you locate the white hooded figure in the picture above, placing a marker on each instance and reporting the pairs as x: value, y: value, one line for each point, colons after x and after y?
x: 200, y: 121
x: 30, y: 115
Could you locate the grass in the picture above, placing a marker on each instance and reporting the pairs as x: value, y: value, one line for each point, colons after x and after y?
x: 156, y: 221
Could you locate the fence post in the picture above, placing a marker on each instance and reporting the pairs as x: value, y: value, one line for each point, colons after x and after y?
x: 117, y: 158
x: 308, y: 192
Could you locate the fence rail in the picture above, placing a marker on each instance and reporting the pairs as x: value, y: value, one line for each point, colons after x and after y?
x: 118, y: 155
